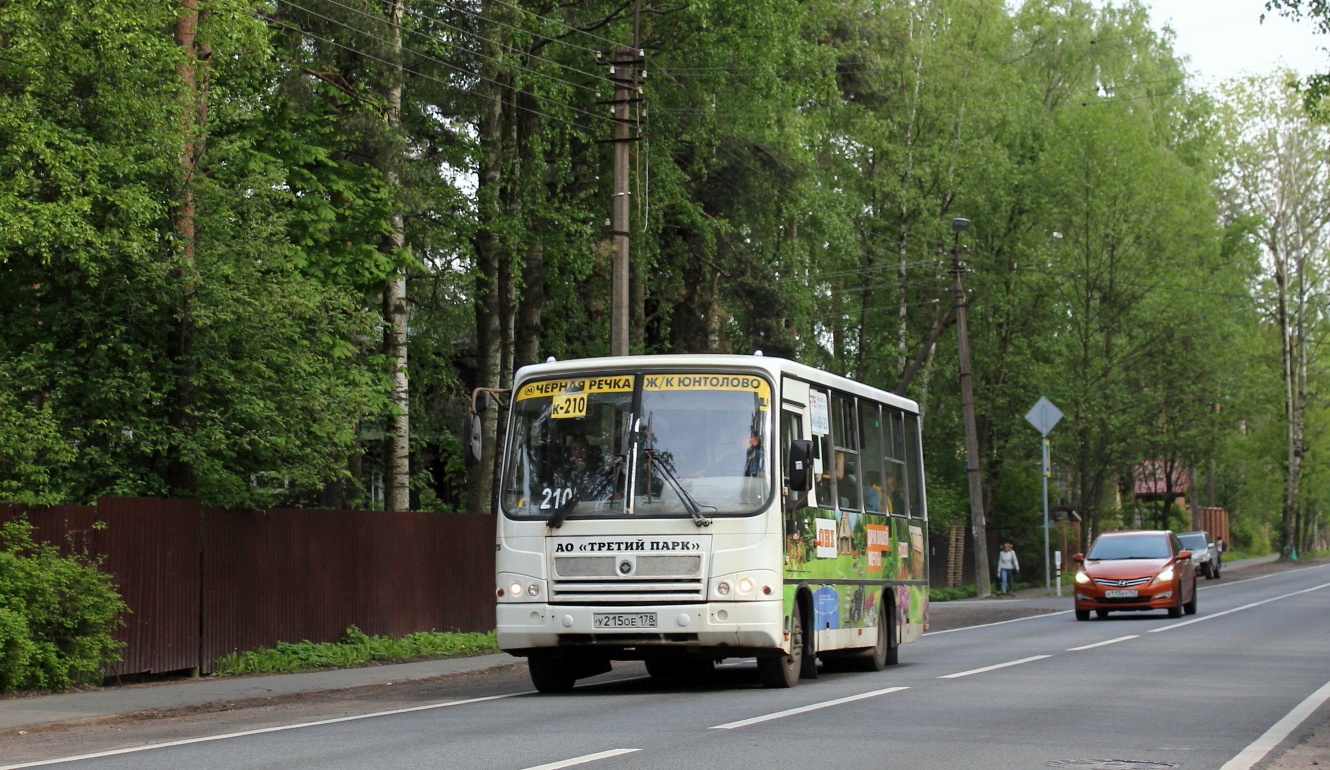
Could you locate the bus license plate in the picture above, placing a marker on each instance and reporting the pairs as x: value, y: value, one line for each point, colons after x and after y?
x: 1121, y: 593
x: 625, y: 620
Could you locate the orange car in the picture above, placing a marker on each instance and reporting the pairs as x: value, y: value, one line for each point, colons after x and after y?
x: 1135, y: 571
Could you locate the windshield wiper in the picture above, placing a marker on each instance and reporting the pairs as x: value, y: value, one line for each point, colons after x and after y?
x: 561, y: 513
x: 689, y: 502
x: 603, y: 488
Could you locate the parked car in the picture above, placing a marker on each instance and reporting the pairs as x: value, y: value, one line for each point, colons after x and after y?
x: 1135, y: 571
x: 1204, y: 553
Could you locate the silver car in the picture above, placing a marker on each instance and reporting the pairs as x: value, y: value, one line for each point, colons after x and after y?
x: 1204, y: 554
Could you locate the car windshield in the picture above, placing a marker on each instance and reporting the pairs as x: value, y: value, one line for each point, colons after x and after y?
x: 1144, y: 546
x: 1194, y: 542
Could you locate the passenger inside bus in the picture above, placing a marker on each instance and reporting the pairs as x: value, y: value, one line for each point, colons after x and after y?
x: 753, y: 462
x: 587, y: 471
x: 847, y: 483
x: 894, y: 499
x: 872, y: 491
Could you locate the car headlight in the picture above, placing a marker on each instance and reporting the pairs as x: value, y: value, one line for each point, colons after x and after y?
x: 1164, y: 577
x: 1082, y: 578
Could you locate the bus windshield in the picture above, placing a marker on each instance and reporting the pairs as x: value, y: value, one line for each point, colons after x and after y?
x: 645, y: 445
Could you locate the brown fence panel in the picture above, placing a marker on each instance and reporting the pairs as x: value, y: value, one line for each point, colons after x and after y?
x: 151, y: 548
x: 294, y: 575
x: 468, y: 571
x: 1213, y: 520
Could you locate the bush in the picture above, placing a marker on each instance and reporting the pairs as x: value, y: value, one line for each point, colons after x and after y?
x: 945, y: 594
x: 355, y: 649
x: 57, y: 614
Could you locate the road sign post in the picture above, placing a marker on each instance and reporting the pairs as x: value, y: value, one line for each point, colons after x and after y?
x: 1043, y: 416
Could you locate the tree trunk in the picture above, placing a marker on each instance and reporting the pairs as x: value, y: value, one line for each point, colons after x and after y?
x: 488, y: 302
x: 397, y: 485
x: 180, y: 473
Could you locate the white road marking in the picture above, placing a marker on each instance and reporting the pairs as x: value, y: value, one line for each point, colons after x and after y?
x: 1279, y: 731
x: 582, y: 760
x: 999, y: 623
x: 803, y: 709
x: 1212, y: 616
x: 991, y: 668
x: 1101, y: 644
x: 260, y: 731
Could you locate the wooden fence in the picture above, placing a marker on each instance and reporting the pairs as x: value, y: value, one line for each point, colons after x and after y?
x: 203, y: 582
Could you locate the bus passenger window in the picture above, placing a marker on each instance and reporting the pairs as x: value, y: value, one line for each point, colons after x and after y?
x: 824, y: 497
x: 847, y: 480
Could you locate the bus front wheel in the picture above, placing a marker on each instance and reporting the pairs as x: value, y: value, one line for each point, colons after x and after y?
x: 782, y: 671
x: 551, y: 675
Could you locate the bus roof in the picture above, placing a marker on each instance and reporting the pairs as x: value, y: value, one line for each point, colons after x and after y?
x: 774, y: 367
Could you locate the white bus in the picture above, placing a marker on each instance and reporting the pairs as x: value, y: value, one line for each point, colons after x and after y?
x: 684, y: 509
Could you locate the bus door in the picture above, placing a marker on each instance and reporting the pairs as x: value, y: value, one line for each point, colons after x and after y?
x: 793, y: 426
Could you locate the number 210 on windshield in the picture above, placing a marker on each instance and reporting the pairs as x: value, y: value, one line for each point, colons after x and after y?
x: 568, y: 405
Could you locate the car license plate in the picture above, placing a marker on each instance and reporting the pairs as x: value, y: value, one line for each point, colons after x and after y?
x: 1121, y: 593
x: 625, y: 620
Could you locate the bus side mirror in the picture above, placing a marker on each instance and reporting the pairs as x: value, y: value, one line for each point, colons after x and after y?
x: 482, y: 401
x: 798, y: 468
x: 475, y: 443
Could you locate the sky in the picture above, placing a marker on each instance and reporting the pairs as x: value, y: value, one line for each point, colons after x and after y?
x: 1226, y: 39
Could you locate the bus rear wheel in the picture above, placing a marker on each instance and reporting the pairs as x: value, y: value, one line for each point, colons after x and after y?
x: 782, y: 671
x: 884, y: 653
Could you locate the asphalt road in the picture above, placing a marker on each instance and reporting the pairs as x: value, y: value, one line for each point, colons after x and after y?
x: 998, y: 683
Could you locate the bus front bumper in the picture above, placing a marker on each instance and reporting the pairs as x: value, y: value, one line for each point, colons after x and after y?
x: 731, y: 629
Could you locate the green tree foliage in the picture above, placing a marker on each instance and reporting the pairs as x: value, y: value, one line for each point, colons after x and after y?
x: 92, y: 285
x: 794, y: 170
x: 1316, y: 89
x: 57, y: 615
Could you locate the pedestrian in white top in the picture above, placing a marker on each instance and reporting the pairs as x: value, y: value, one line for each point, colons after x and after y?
x: 1008, y: 566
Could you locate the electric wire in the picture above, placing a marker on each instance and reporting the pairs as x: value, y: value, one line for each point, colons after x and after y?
x: 446, y: 64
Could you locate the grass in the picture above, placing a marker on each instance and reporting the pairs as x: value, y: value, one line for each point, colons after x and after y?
x: 355, y: 649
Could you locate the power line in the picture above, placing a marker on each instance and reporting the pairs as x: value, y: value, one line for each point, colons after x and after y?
x: 402, y: 28
x: 449, y: 65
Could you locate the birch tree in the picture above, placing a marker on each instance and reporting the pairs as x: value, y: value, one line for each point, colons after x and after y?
x: 1279, y: 173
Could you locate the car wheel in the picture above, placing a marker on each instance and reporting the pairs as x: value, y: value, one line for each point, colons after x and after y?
x: 1176, y: 610
x: 1190, y: 607
x: 1082, y: 614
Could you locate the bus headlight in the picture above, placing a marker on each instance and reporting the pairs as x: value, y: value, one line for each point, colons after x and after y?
x: 745, y: 585
x: 519, y: 587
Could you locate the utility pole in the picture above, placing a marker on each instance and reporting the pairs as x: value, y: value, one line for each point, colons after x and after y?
x: 623, y: 73
x: 978, y: 527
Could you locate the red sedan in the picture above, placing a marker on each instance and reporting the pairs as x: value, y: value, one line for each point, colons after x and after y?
x: 1135, y: 571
